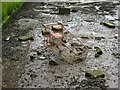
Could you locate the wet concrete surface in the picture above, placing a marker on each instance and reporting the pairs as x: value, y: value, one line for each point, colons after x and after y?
x: 19, y: 70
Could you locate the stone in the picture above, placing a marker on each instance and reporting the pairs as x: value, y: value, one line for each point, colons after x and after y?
x: 96, y: 55
x: 95, y: 74
x: 39, y: 52
x: 33, y: 55
x: 74, y: 10
x: 25, y: 38
x: 8, y: 38
x: 53, y: 61
x: 98, y: 51
x: 85, y: 36
x: 116, y: 36
x: 117, y: 55
x: 33, y: 76
x: 43, y: 58
x: 64, y: 10
x: 99, y: 38
x: 108, y: 24
x: 57, y: 76
x: 32, y: 58
x: 64, y: 41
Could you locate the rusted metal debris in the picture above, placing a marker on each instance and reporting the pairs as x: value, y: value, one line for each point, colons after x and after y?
x: 64, y: 43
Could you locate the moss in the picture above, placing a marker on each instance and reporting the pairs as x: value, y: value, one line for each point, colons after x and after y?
x: 98, y: 52
x: 25, y: 38
x: 95, y: 74
x: 109, y: 24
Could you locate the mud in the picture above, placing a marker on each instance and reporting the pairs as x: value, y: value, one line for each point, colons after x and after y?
x: 19, y: 70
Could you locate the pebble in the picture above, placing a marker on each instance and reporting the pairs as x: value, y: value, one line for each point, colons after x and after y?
x: 43, y: 58
x: 117, y: 55
x: 116, y: 36
x: 8, y: 38
x: 58, y: 76
x: 32, y: 58
x: 99, y: 38
x: 33, y: 76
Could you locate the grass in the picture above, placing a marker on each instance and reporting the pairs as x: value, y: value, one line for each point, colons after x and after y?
x: 8, y: 8
x: 0, y: 14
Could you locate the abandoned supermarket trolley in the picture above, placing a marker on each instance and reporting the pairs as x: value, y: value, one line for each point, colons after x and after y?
x: 64, y: 43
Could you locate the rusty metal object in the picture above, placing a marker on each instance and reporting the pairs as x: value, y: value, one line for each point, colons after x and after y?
x: 65, y: 44
x: 57, y: 28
